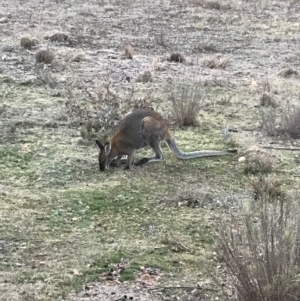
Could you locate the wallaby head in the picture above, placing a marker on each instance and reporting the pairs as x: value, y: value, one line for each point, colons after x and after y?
x: 104, y: 160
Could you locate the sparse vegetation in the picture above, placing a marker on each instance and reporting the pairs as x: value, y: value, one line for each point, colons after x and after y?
x: 260, y: 249
x: 215, y: 62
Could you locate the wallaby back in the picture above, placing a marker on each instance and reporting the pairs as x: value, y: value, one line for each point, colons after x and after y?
x: 137, y: 129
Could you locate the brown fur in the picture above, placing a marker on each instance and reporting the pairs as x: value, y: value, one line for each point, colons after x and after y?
x: 138, y: 129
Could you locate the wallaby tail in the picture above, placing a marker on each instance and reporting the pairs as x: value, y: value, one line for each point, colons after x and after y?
x: 197, y: 154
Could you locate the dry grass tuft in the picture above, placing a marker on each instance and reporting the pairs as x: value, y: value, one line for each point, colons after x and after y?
x: 145, y: 77
x: 288, y: 72
x: 284, y: 124
x: 59, y: 37
x: 45, y: 56
x: 259, y: 247
x: 266, y: 100
x: 28, y: 42
x: 79, y: 57
x: 142, y: 104
x: 185, y: 100
x: 215, y: 62
x: 128, y: 52
x: 212, y: 5
x: 176, y: 57
x: 44, y: 76
x: 206, y: 48
x: 208, y: 4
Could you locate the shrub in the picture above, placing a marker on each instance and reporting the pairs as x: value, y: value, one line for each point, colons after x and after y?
x: 283, y: 124
x: 45, y: 56
x: 269, y: 186
x: 185, y: 100
x: 260, y: 251
x: 290, y: 123
x: 258, y: 162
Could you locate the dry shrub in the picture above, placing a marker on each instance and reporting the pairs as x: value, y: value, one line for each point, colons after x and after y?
x: 101, y: 126
x: 45, y: 56
x: 28, y: 42
x: 259, y: 249
x: 258, y: 162
x: 185, y: 100
x: 290, y: 123
x: 215, y: 62
x: 98, y: 115
x: 145, y: 77
x: 212, y: 5
x: 176, y: 57
x: 268, y: 186
x: 283, y: 124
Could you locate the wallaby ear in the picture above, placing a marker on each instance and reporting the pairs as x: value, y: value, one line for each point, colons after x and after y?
x: 100, y: 145
x: 107, y: 147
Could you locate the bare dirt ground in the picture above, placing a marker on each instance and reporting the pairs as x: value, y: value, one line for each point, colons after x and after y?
x: 63, y: 223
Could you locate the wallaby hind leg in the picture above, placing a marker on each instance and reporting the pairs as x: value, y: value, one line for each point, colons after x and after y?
x: 117, y: 162
x: 130, y: 159
x: 158, y: 155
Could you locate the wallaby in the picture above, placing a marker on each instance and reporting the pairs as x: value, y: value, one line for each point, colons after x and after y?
x: 141, y: 128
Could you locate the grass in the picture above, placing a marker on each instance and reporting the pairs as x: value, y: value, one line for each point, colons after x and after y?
x: 63, y: 223
x: 59, y: 214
